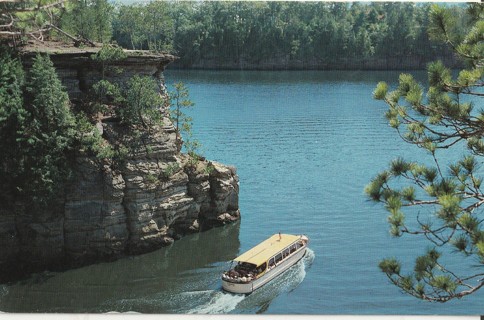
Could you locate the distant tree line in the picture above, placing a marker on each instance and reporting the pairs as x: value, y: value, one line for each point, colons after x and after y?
x: 262, y: 31
x: 232, y: 31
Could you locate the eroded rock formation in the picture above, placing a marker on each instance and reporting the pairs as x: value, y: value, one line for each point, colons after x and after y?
x: 108, y: 210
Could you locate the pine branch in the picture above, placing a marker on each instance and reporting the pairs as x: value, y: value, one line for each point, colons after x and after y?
x: 30, y: 8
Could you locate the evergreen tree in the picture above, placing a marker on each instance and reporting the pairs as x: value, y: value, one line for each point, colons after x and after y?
x: 183, y: 123
x: 142, y: 103
x: 12, y: 113
x: 37, y: 130
x: 20, y: 19
x: 452, y: 199
x: 47, y: 133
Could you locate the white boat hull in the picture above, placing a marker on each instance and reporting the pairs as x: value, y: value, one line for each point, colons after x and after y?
x: 245, y: 288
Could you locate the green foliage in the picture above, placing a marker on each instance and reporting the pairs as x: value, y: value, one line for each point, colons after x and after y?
x: 438, y: 75
x: 441, y: 21
x: 399, y: 166
x: 12, y: 113
x: 106, y: 56
x: 390, y: 266
x: 376, y: 186
x: 48, y: 131
x: 21, y: 20
x: 380, y: 91
x: 89, y: 139
x: 443, y: 282
x: 37, y: 130
x: 148, y: 27
x: 40, y: 134
x: 151, y: 179
x: 480, y: 248
x: 11, y: 100
x: 183, y: 123
x: 451, y: 202
x: 89, y: 19
x: 179, y: 101
x: 208, y: 169
x: 170, y: 170
x: 105, y: 92
x: 247, y: 31
x: 138, y: 104
x: 142, y: 103
x: 460, y: 242
x: 408, y: 194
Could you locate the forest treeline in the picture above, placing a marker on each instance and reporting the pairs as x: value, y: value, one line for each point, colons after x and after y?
x: 256, y: 32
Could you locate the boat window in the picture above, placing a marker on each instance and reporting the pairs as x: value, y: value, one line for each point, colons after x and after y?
x: 278, y: 257
x: 261, y: 268
x: 286, y: 253
x: 293, y: 248
x: 271, y: 263
x: 245, y: 266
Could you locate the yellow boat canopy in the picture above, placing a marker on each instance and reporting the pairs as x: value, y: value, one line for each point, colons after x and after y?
x: 267, y: 248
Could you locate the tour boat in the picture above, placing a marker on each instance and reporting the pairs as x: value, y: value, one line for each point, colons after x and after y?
x: 264, y: 262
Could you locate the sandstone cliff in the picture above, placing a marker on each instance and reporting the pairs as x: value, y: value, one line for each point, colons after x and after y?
x: 108, y: 211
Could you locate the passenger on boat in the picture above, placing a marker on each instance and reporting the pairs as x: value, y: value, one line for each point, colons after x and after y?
x: 271, y: 264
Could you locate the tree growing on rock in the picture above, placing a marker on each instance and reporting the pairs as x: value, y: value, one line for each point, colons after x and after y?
x: 183, y: 123
x: 39, y: 132
x: 451, y: 199
x: 142, y: 102
x: 37, y: 129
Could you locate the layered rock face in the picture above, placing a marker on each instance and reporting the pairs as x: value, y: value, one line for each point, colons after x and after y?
x: 148, y: 201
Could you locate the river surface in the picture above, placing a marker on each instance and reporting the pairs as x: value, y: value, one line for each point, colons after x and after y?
x: 305, y: 144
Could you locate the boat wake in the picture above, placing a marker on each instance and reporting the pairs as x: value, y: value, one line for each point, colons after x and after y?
x: 3, y: 291
x: 213, y: 301
x: 218, y: 302
x: 260, y: 300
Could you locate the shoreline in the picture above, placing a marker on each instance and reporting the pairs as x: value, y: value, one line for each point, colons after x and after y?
x: 369, y: 64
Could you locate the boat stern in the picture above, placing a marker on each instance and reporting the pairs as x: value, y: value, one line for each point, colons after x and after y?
x: 241, y: 288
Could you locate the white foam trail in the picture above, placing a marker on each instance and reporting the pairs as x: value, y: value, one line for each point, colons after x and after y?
x: 308, y: 258
x: 3, y: 291
x: 300, y: 269
x: 289, y: 280
x: 220, y: 302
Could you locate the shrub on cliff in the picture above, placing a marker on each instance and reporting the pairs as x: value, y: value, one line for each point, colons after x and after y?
x: 142, y: 102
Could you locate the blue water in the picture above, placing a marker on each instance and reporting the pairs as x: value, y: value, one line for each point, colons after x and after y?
x: 305, y: 144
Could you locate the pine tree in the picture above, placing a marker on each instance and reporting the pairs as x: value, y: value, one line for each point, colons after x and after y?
x: 452, y: 199
x: 183, y: 123
x: 45, y: 135
x: 28, y: 18
x: 12, y: 113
